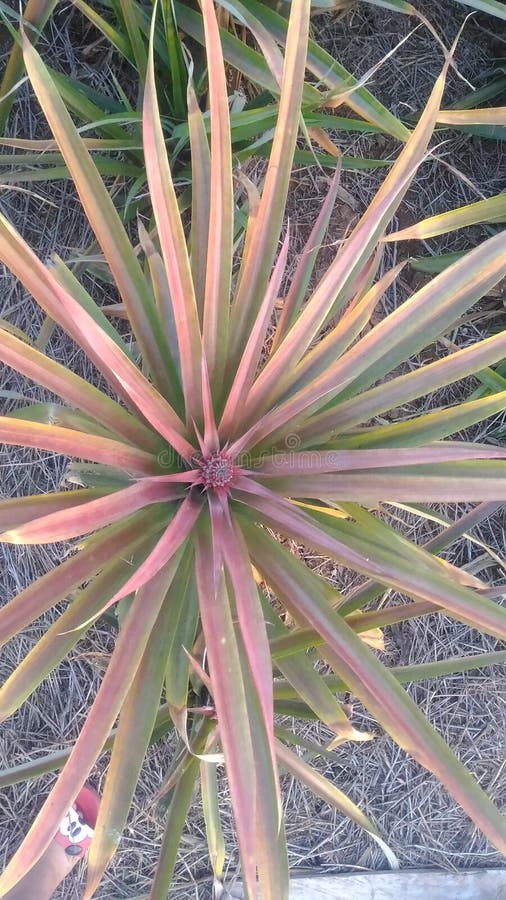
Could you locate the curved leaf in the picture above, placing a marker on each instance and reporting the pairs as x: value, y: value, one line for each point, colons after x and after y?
x: 331, y: 794
x: 103, y: 218
x: 299, y: 590
x: 69, y: 523
x: 383, y: 564
x: 493, y: 209
x: 172, y: 243
x: 221, y: 206
x: 120, y: 672
x: 135, y: 726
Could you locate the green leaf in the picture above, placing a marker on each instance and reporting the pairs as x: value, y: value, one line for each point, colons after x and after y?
x: 136, y: 39
x: 121, y: 373
x: 472, y: 480
x: 328, y: 70
x: 221, y: 208
x: 104, y: 166
x: 60, y: 638
x: 177, y: 67
x: 72, y: 388
x: 492, y: 7
x: 54, y: 414
x: 116, y: 38
x: 55, y: 585
x: 173, y: 247
x: 428, y: 427
x: 355, y: 252
x: 103, y: 218
x: 493, y: 209
x: 201, y: 197
x: 393, y: 393
x: 400, y: 334
x: 136, y: 724
x: 256, y: 267
x: 36, y: 14
x: 121, y: 670
x: 331, y: 794
x: 180, y: 801
x: 182, y: 599
x: 306, y: 682
x: 241, y: 684
x: 299, y: 590
x: 432, y: 265
x: 18, y: 510
x: 414, y: 673
x: 65, y: 440
x: 229, y: 696
x: 346, y: 543
x: 210, y: 804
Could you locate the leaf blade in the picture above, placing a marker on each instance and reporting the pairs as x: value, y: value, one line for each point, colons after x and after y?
x: 266, y: 233
x: 102, y: 350
x: 135, y: 726
x: 172, y: 243
x: 380, y: 692
x: 221, y: 205
x: 230, y: 701
x: 94, y: 514
x: 493, y: 209
x: 102, y: 215
x: 59, y: 639
x: 56, y: 584
x: 70, y: 442
x: 389, y: 568
x: 350, y: 258
x: 331, y: 794
x: 120, y: 672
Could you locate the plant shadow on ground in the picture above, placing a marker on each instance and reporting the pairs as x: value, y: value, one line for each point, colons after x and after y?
x: 407, y: 803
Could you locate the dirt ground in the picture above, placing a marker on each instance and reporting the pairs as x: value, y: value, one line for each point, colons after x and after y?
x: 421, y: 823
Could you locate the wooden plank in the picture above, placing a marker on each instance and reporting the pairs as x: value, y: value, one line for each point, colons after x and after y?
x: 478, y: 884
x: 416, y: 884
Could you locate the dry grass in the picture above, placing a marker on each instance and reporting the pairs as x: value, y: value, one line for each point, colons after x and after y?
x: 422, y: 824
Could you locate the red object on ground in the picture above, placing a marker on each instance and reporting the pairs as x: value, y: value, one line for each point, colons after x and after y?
x: 76, y: 829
